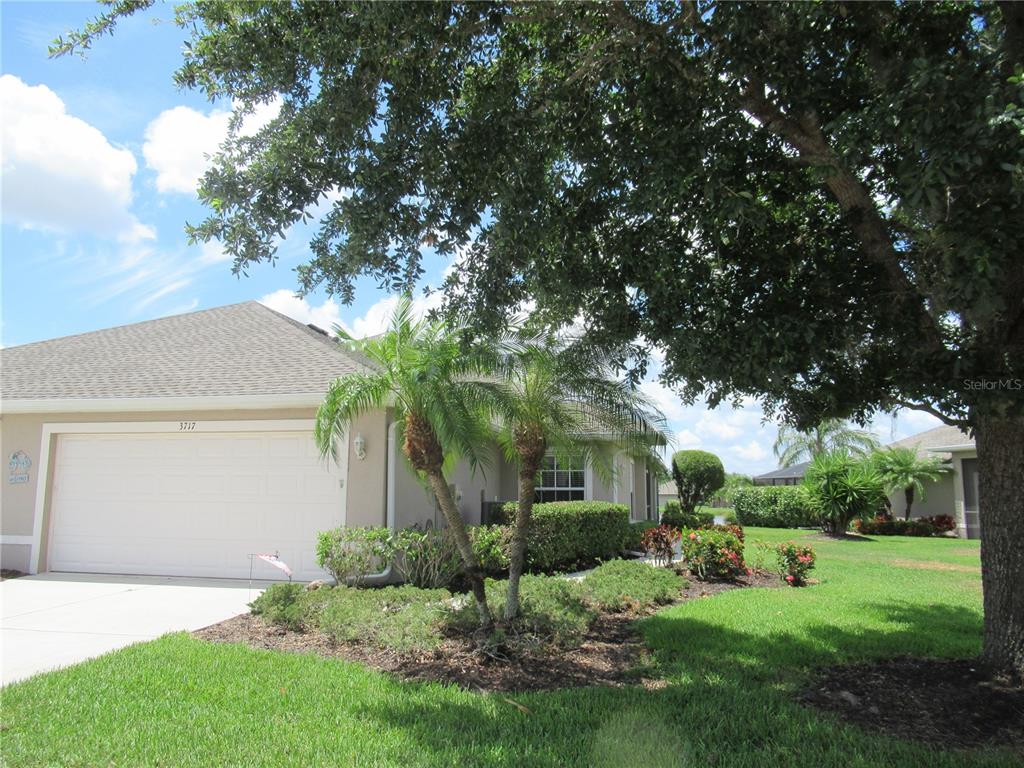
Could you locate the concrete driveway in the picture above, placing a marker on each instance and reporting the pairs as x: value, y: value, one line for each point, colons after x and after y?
x: 56, y: 619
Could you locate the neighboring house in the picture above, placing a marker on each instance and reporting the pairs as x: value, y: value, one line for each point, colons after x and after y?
x: 793, y: 475
x: 183, y: 445
x: 956, y: 493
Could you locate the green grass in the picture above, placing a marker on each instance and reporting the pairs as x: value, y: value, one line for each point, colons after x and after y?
x: 732, y: 662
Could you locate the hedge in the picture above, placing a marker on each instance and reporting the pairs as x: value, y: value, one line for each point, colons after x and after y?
x: 567, y: 533
x: 775, y: 506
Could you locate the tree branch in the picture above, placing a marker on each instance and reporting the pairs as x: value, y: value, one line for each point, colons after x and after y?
x: 947, y: 420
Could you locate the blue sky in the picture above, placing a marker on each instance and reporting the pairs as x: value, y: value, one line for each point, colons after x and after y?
x: 100, y: 159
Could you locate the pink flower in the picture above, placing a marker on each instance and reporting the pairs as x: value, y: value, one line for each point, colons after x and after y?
x: 693, y: 536
x: 789, y: 579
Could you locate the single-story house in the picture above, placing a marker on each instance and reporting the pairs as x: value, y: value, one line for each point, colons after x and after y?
x: 181, y: 446
x: 956, y: 492
x: 793, y: 475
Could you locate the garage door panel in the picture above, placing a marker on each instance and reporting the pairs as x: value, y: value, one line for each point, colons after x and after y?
x: 192, y: 504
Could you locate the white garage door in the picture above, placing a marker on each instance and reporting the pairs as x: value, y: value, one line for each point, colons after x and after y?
x: 193, y: 504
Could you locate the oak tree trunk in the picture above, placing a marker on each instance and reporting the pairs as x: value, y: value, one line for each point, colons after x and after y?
x: 909, y: 494
x: 1000, y: 443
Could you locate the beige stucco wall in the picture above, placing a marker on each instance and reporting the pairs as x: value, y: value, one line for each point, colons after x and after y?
x: 973, y: 531
x: 938, y: 500
x: 15, y: 557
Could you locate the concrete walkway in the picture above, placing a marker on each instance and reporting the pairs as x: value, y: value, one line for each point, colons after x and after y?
x: 55, y: 619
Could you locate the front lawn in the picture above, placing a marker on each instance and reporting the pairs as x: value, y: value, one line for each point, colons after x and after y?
x: 732, y: 664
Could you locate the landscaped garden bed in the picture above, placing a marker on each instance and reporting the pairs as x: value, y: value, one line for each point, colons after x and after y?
x: 954, y: 703
x: 573, y: 633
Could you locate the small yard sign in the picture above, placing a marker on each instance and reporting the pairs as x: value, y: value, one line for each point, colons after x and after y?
x: 19, y: 464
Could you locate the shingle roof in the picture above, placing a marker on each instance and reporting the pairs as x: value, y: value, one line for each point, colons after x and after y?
x: 940, y: 437
x: 785, y: 473
x: 239, y: 349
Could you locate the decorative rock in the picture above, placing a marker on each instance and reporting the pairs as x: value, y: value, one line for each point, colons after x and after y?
x: 318, y: 584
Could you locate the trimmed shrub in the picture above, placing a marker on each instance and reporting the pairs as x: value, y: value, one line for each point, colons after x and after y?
x: 426, y: 559
x: 674, y: 515
x: 713, y: 554
x: 660, y: 542
x: 491, y: 545
x: 552, y: 610
x: 564, y: 534
x: 698, y: 475
x: 794, y: 563
x: 630, y: 584
x: 398, y: 618
x: 282, y: 604
x: 635, y: 539
x: 352, y: 554
x: 775, y: 506
x: 884, y: 526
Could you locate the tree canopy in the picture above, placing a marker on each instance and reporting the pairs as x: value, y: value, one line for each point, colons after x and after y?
x: 767, y: 191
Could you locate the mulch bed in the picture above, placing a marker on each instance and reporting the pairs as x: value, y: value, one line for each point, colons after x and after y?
x: 948, y: 703
x: 612, y: 652
x: 9, y: 573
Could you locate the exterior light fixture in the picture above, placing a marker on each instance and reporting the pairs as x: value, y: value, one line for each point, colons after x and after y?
x: 359, y: 444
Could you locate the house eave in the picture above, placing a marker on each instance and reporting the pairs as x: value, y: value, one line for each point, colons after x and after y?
x: 160, y: 404
x: 951, y: 448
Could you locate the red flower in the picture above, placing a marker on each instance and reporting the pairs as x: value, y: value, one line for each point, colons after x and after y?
x: 789, y: 579
x: 693, y: 536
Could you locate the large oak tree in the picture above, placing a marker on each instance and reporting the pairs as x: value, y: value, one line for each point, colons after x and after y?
x: 818, y: 204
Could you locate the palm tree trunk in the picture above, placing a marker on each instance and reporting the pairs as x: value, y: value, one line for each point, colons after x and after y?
x: 530, y: 444
x: 439, y: 485
x: 517, y: 559
x: 909, y: 493
x: 425, y: 454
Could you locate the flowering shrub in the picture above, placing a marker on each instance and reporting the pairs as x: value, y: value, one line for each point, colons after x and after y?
x: 884, y: 526
x: 795, y: 562
x: 941, y: 523
x: 713, y: 554
x: 659, y: 542
x: 734, y: 528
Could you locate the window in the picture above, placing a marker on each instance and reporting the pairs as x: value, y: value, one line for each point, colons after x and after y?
x: 561, y: 479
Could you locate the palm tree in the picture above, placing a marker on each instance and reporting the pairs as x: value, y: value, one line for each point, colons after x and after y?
x: 831, y: 435
x: 566, y: 400
x: 902, y: 469
x: 434, y: 385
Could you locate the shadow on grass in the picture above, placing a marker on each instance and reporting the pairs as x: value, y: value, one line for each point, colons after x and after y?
x: 728, y: 702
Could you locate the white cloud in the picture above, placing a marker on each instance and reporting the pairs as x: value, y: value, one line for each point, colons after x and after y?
x: 374, y: 321
x: 61, y: 173
x: 752, y: 451
x: 212, y: 252
x: 285, y: 301
x: 684, y: 438
x: 181, y: 140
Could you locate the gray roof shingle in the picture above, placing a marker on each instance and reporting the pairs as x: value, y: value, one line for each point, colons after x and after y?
x: 794, y: 472
x: 939, y: 437
x: 239, y: 349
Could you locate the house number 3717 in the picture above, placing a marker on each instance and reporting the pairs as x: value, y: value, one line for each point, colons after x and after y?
x: 186, y: 426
